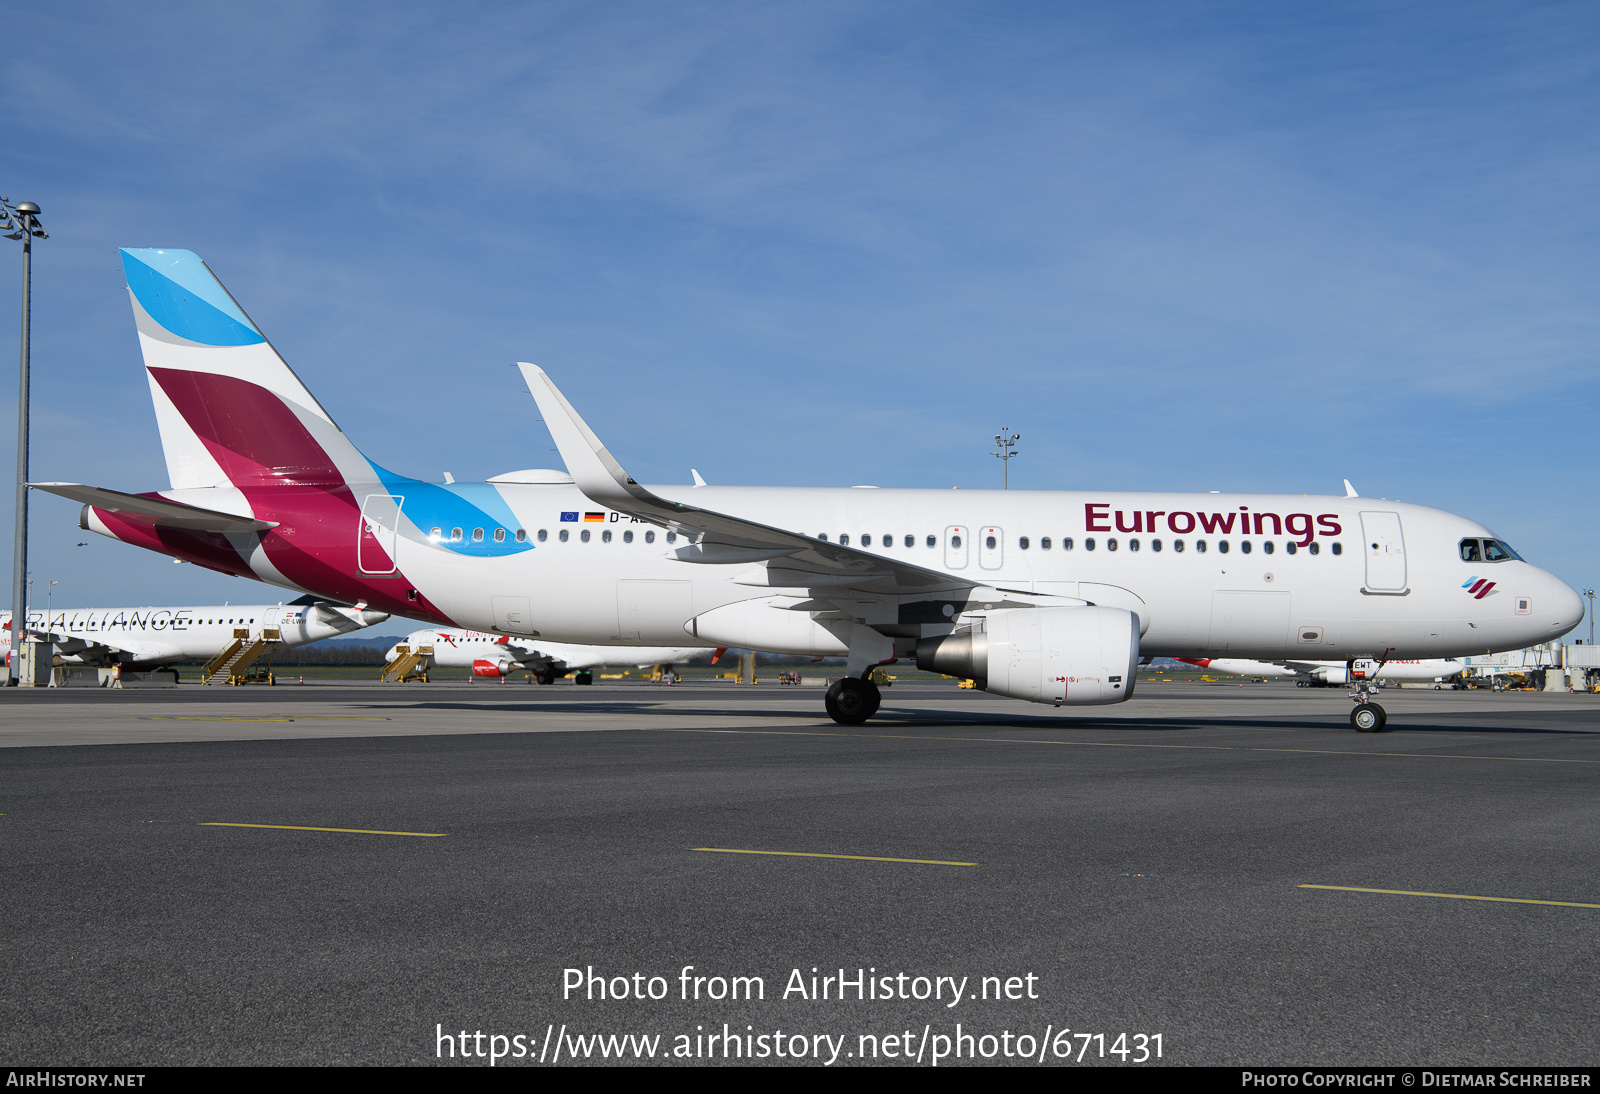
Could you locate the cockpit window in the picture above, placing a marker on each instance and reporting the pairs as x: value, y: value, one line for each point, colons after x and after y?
x: 1470, y: 551
x: 1495, y: 551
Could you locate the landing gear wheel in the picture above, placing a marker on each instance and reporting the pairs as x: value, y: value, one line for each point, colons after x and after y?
x: 1368, y: 718
x: 582, y: 678
x: 851, y: 701
x: 544, y: 679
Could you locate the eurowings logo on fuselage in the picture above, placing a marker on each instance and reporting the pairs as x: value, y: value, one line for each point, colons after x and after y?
x: 1479, y: 587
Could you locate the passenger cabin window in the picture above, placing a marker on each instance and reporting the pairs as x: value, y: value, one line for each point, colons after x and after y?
x: 1291, y: 547
x: 627, y: 537
x: 1200, y: 545
x: 1245, y: 546
x: 436, y: 534
x: 1023, y: 543
x: 564, y: 535
x: 1267, y: 547
x: 844, y: 539
x: 1088, y: 544
x: 522, y: 535
x: 1044, y: 544
x: 1338, y: 549
x: 584, y: 535
x: 544, y: 534
x: 1315, y: 548
x: 1133, y: 545
x: 1155, y: 545
x: 866, y: 541
x: 477, y: 535
x: 989, y: 543
x: 1222, y: 545
x: 823, y: 536
x: 1111, y: 544
x: 1066, y: 543
x: 455, y: 535
x: 955, y: 541
x: 605, y: 537
x: 672, y: 537
x: 1177, y: 545
x: 933, y: 541
x: 499, y: 535
x: 911, y: 541
x: 1470, y: 551
x: 649, y: 537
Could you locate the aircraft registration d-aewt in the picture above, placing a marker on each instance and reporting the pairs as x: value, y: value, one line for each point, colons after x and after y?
x: 1050, y: 597
x: 150, y: 637
x: 1433, y: 670
x: 500, y: 655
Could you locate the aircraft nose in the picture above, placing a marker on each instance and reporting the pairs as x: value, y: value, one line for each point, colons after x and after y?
x: 1566, y: 607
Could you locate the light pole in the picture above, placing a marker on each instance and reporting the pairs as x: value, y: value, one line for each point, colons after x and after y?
x: 1004, y: 452
x: 20, y: 220
x: 1590, y: 594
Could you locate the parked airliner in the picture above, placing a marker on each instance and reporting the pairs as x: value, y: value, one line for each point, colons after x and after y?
x: 500, y: 655
x: 1433, y: 670
x: 1046, y: 596
x: 151, y: 637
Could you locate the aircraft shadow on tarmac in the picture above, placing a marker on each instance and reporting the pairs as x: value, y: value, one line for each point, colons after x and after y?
x: 922, y: 719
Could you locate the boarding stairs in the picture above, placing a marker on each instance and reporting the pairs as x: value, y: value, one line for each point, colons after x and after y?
x: 408, y: 664
x: 236, y: 660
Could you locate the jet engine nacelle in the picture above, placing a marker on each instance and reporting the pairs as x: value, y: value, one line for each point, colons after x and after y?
x: 1332, y: 676
x: 484, y: 667
x: 1070, y: 656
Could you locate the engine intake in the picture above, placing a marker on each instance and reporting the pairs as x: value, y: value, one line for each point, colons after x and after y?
x: 1069, y: 656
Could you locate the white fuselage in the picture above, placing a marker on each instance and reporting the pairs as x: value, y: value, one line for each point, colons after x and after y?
x: 1365, y: 577
x: 456, y: 648
x: 154, y: 636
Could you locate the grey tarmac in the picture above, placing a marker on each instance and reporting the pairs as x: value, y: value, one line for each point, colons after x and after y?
x: 1145, y: 863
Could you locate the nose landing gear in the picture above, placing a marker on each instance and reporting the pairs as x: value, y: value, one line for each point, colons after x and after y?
x: 1368, y: 716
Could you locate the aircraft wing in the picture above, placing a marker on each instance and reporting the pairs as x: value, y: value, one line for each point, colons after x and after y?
x: 172, y: 514
x: 792, y: 560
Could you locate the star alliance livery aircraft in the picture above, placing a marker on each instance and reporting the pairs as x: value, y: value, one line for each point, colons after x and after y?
x: 1050, y: 597
x: 151, y: 637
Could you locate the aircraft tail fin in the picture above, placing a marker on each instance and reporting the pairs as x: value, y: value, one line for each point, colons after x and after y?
x: 230, y: 410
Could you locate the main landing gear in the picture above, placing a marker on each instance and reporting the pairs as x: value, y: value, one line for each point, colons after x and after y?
x: 851, y: 701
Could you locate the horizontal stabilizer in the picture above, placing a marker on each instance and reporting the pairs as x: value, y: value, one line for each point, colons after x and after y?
x: 171, y: 514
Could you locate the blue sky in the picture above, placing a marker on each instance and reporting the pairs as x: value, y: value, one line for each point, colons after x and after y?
x: 1175, y: 246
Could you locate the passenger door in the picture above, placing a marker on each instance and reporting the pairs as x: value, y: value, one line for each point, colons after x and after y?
x: 1385, y: 547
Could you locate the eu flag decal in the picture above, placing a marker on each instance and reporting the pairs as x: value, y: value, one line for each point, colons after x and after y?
x: 569, y: 518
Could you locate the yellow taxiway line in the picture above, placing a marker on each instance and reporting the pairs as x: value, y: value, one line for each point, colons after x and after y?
x: 312, y: 828
x: 818, y: 854
x: 1452, y: 896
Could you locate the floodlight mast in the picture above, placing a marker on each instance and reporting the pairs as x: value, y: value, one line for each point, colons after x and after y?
x: 1004, y: 445
x: 20, y: 220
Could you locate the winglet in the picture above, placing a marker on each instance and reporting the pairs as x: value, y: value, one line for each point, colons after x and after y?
x: 698, y: 481
x: 595, y: 470
x: 1350, y: 491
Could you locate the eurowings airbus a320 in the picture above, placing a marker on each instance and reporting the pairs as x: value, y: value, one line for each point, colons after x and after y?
x: 1050, y: 597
